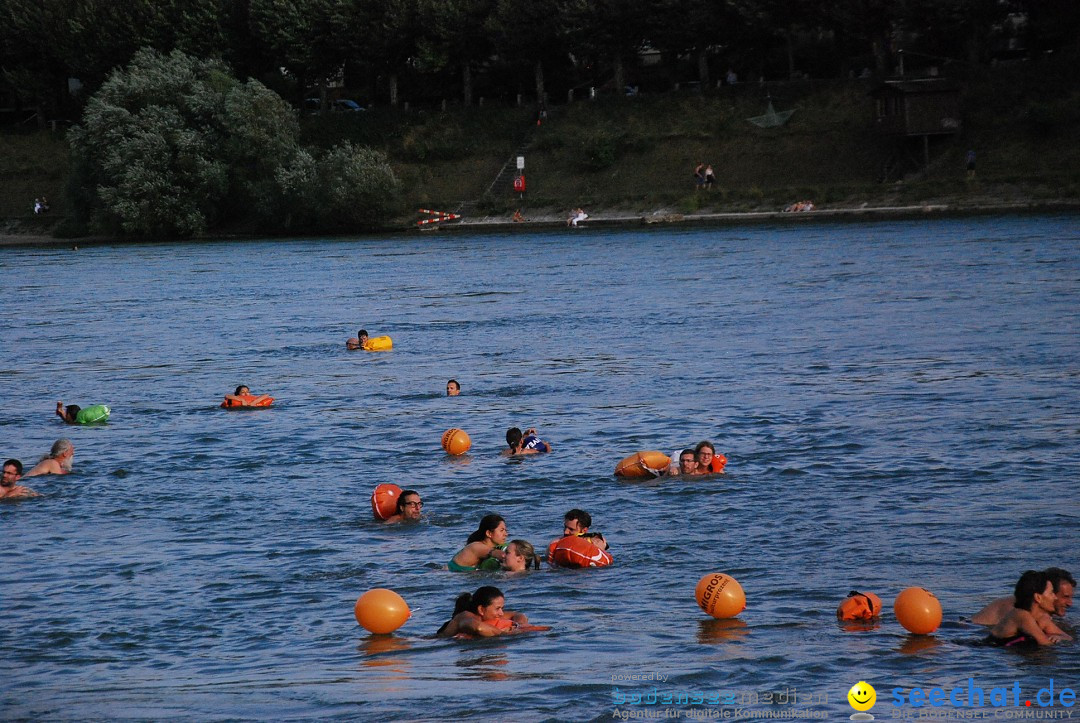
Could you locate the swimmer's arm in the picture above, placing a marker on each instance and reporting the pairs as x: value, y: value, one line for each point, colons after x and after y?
x: 1051, y: 629
x: 547, y: 446
x: 45, y: 466
x: 498, y: 554
x: 260, y: 398
x: 1027, y: 624
x: 475, y: 626
x: 519, y: 618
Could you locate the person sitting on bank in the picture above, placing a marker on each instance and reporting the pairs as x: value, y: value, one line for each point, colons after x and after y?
x: 409, y: 507
x: 453, y: 389
x: 1020, y: 627
x: 10, y: 489
x: 243, y: 397
x: 576, y: 216
x: 519, y: 444
x: 57, y: 461
x: 1064, y: 585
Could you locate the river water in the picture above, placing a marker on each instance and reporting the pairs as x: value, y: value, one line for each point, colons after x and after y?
x: 899, y: 402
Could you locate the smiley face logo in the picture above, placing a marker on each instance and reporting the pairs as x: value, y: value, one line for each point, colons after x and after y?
x: 862, y: 696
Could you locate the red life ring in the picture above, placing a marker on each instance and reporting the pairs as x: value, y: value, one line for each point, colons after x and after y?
x: 575, y: 551
x: 246, y: 401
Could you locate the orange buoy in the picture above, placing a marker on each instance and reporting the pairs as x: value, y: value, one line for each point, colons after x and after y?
x: 642, y: 464
x: 918, y: 610
x: 384, y: 501
x: 381, y: 611
x: 716, y: 466
x: 455, y: 441
x: 576, y: 551
x: 720, y: 595
x: 859, y: 606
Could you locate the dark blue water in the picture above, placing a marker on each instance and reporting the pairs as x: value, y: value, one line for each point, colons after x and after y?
x: 900, y: 404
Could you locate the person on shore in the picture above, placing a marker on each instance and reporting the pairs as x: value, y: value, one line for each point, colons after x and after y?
x: 10, y: 489
x: 518, y: 218
x: 520, y: 556
x: 576, y: 216
x: 57, y: 461
x: 453, y: 389
x: 969, y: 160
x: 409, y: 508
x: 699, y: 175
x: 481, y: 614
x: 528, y: 443
x: 1020, y: 627
x: 1064, y: 586
x: 243, y: 397
x: 488, y: 541
x: 686, y: 466
x: 709, y: 178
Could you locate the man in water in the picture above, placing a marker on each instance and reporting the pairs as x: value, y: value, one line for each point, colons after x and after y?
x: 358, y: 342
x: 9, y: 487
x: 453, y: 388
x: 409, y: 507
x: 528, y: 443
x: 576, y: 523
x: 686, y: 466
x: 58, y: 461
x: 1064, y: 585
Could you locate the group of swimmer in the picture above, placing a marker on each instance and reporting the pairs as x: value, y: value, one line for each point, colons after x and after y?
x: 1024, y: 619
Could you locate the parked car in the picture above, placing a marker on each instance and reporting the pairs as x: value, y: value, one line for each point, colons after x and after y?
x: 341, y: 105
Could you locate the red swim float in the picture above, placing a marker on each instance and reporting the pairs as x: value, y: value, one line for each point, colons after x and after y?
x: 384, y: 501
x: 575, y: 551
x: 246, y: 401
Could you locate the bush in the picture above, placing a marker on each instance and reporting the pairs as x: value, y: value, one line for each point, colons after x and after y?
x: 600, y: 148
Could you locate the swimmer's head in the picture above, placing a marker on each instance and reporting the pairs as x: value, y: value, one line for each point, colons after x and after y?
x: 71, y: 411
x: 409, y: 505
x: 687, y: 461
x: 362, y: 334
x: 492, y: 527
x: 487, y: 602
x: 576, y: 522
x: 704, y: 452
x: 1033, y: 587
x: 453, y: 388
x: 13, y: 470
x: 520, y: 556
x: 513, y: 437
x: 1064, y: 586
x: 242, y: 389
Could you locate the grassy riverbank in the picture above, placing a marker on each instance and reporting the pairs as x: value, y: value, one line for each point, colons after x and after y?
x: 634, y: 157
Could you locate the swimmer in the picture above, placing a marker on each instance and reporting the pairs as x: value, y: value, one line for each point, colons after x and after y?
x: 686, y: 466
x: 481, y: 614
x: 409, y: 507
x: 1019, y: 627
x: 9, y: 487
x: 69, y: 413
x: 529, y: 443
x: 577, y: 523
x: 453, y: 388
x: 243, y: 391
x: 1064, y: 585
x: 703, y: 454
x: 520, y: 556
x: 486, y: 542
x: 358, y: 341
x: 57, y: 461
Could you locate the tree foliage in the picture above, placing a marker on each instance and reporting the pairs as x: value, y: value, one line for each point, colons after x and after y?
x: 172, y: 145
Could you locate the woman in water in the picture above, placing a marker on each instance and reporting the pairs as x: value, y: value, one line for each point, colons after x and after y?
x: 481, y: 614
x: 487, y: 542
x: 520, y: 556
x: 1034, y: 594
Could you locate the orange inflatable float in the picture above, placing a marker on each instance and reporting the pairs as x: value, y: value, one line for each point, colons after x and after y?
x: 859, y: 606
x: 455, y: 441
x: 247, y: 401
x: 575, y: 551
x: 381, y: 611
x: 918, y: 610
x: 643, y: 464
x: 718, y: 463
x: 384, y: 501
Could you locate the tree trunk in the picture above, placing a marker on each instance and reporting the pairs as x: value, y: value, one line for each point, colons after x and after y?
x: 393, y: 90
x: 539, y: 82
x: 620, y: 75
x: 466, y: 84
x: 790, y: 53
x: 703, y: 68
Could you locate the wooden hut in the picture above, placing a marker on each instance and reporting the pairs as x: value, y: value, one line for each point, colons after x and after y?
x: 917, y: 107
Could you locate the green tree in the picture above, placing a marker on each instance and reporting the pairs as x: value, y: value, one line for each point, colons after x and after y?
x: 527, y: 32
x: 608, y: 30
x: 456, y: 35
x: 386, y: 32
x: 168, y: 142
